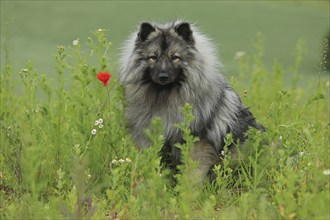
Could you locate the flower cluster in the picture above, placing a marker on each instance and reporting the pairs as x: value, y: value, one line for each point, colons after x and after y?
x: 98, y: 123
x: 126, y: 160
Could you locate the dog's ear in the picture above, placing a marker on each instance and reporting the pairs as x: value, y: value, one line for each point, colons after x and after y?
x: 184, y: 30
x: 145, y: 30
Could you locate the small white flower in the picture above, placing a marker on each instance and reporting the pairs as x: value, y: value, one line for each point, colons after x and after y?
x: 75, y: 42
x: 301, y: 153
x: 94, y: 131
x: 97, y: 122
x: 100, y: 30
x: 280, y: 138
x: 100, y: 121
x: 223, y: 153
x: 326, y: 172
x: 114, y: 161
x: 24, y: 70
x: 101, y: 126
x: 239, y: 55
x: 121, y: 160
x: 128, y: 160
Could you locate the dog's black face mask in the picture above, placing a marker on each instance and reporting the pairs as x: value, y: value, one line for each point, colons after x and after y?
x: 161, y: 51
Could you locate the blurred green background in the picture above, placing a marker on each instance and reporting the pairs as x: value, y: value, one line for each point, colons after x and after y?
x: 31, y: 30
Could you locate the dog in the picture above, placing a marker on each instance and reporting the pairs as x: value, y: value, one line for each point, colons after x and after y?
x: 164, y: 66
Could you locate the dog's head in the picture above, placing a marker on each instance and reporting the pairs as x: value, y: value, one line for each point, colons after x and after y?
x: 164, y: 51
x: 168, y: 55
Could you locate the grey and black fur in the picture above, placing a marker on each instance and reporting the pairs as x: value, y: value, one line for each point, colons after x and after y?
x: 165, y: 66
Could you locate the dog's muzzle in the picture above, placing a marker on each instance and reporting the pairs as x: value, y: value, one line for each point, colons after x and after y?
x: 163, y: 78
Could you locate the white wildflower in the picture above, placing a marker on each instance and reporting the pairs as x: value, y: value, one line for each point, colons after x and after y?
x: 94, y: 131
x: 100, y: 121
x: 326, y: 172
x: 223, y: 153
x: 24, y: 70
x: 75, y: 42
x: 126, y: 160
x: 280, y: 138
x: 97, y: 122
x: 239, y: 55
x: 101, y: 126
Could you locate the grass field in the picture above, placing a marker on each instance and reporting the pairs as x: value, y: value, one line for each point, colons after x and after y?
x: 30, y: 30
x: 65, y: 152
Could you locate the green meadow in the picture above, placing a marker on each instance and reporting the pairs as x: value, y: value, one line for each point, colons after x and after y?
x: 64, y: 149
x: 31, y: 30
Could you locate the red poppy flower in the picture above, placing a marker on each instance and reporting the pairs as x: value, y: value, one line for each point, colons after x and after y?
x: 104, y: 77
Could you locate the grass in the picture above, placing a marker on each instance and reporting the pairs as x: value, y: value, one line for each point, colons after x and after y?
x: 53, y: 166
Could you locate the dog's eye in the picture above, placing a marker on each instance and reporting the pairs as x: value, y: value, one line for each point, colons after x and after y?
x: 175, y: 58
x: 153, y: 58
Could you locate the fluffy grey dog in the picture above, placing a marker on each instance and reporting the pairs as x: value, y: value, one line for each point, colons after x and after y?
x: 165, y: 66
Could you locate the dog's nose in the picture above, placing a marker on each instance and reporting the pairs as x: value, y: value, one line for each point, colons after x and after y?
x: 163, y: 77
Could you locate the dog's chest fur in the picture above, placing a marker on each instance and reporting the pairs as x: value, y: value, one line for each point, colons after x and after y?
x: 212, y: 121
x: 143, y: 109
